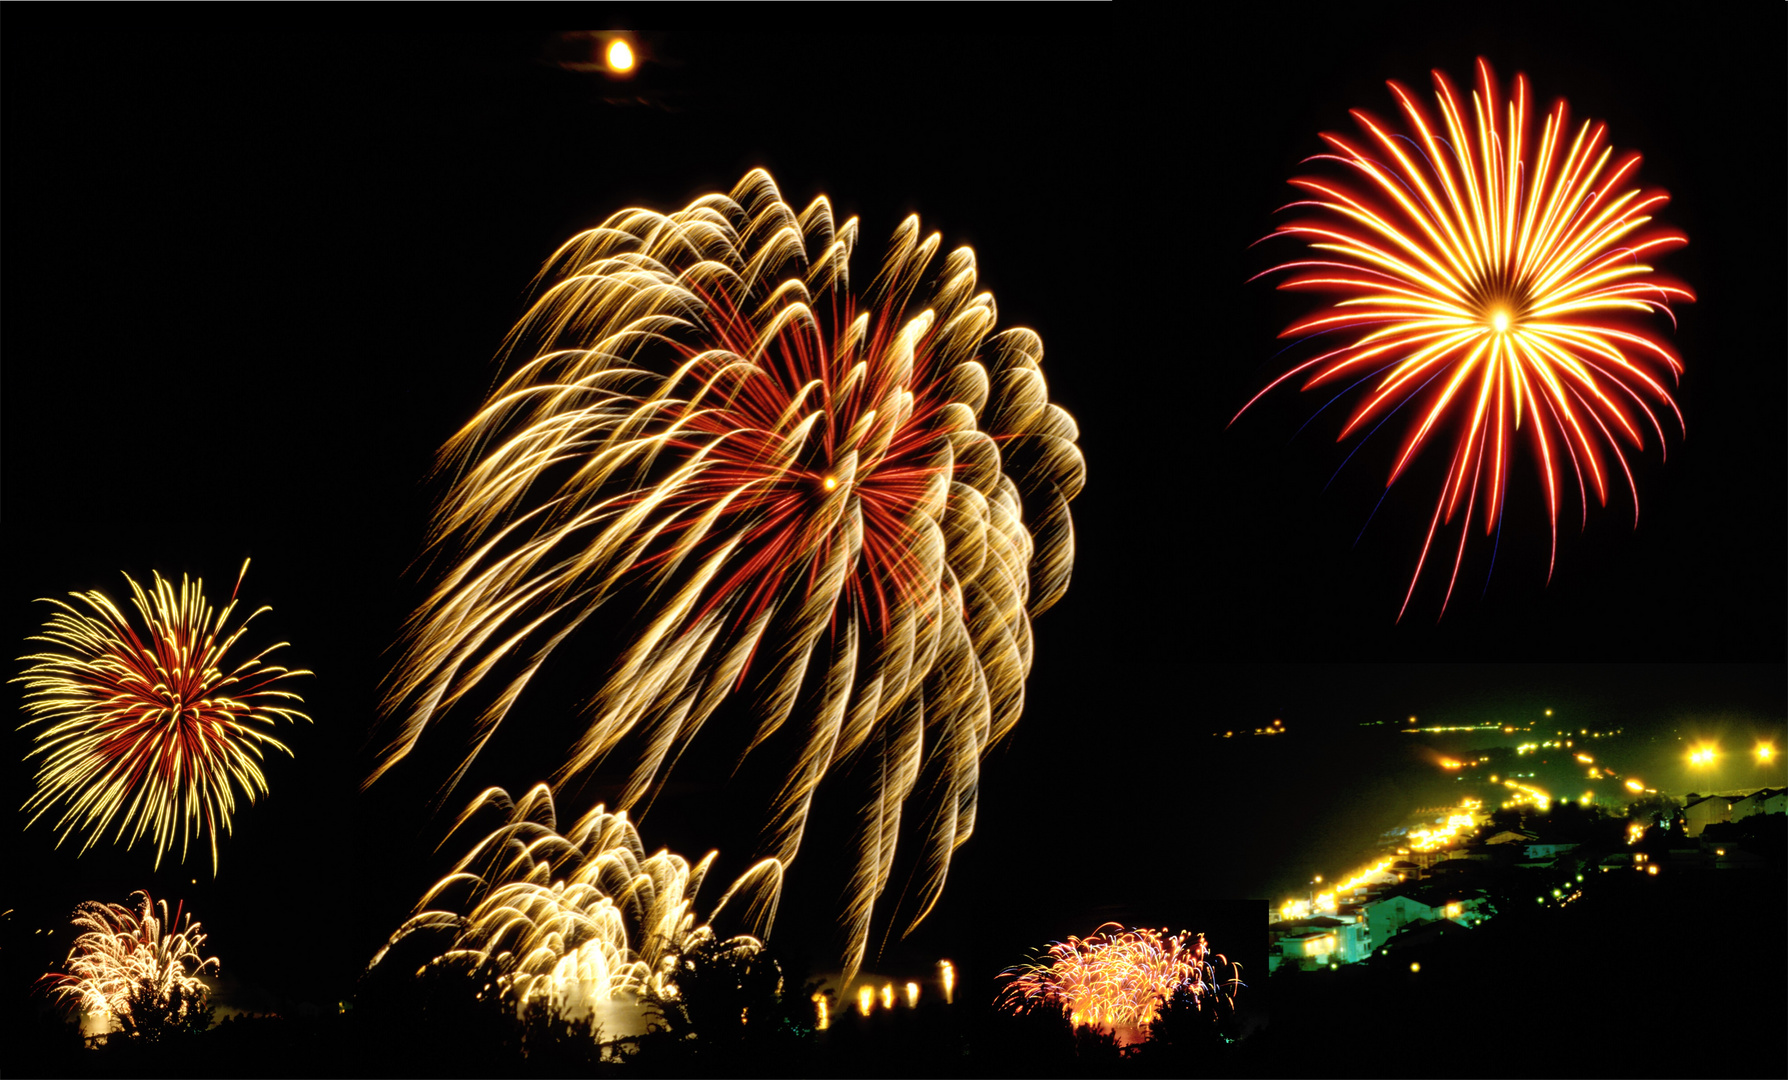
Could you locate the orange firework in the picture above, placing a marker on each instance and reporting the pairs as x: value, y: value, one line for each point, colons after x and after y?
x: 1490, y: 274
x: 1118, y: 981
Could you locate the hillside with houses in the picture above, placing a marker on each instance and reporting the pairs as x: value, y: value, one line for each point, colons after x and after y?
x: 1453, y: 869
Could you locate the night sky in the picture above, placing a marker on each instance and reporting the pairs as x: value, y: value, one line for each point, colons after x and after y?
x: 254, y: 282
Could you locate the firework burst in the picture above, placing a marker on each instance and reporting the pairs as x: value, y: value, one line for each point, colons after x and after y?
x: 579, y: 918
x: 1119, y: 980
x: 1492, y: 276
x: 843, y: 510
x: 139, y: 967
x: 149, y: 728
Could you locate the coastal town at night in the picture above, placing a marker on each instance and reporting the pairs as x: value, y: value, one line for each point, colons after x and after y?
x: 1450, y: 868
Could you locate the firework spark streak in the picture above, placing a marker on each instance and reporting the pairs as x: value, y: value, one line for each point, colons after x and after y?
x: 580, y: 918
x: 149, y: 728
x: 845, y: 510
x: 1119, y: 980
x: 1492, y: 274
x: 131, y: 959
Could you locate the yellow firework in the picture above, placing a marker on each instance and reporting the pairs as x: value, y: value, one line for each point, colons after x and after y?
x: 150, y: 729
x: 845, y: 511
x: 577, y: 919
x: 135, y: 965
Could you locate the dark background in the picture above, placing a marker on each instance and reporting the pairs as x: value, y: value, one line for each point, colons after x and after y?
x: 255, y: 279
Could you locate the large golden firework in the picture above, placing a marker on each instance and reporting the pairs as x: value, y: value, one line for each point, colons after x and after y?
x: 843, y: 511
x: 1490, y: 279
x: 140, y: 968
x: 579, y: 918
x: 149, y: 728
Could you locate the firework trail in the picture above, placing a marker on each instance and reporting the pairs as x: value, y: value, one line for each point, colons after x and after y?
x: 149, y: 728
x: 131, y: 963
x: 1490, y: 275
x: 579, y: 918
x: 841, y: 509
x: 1119, y: 980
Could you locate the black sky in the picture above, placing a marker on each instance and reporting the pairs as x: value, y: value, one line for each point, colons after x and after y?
x: 255, y: 280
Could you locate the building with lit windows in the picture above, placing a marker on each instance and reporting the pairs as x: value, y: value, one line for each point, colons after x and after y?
x: 1703, y: 810
x: 1318, y: 941
x: 1544, y: 854
x: 1762, y: 801
x: 1391, y: 913
x: 1413, y: 941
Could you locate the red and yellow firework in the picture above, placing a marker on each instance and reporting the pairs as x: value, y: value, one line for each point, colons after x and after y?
x: 1493, y: 275
x: 842, y: 508
x: 1119, y: 980
x: 148, y: 728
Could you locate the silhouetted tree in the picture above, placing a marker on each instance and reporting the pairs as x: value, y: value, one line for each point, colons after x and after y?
x: 154, y: 1015
x: 1189, y: 1037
